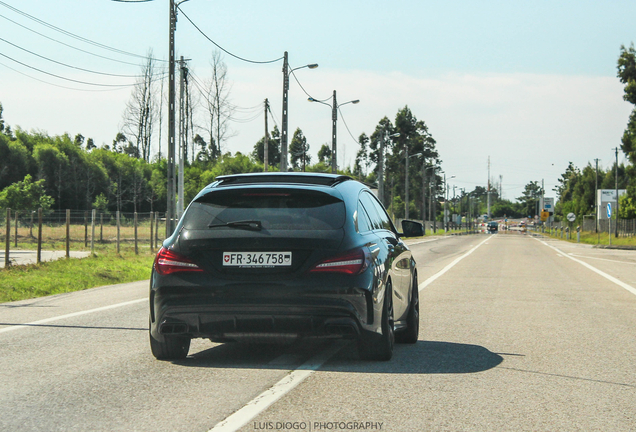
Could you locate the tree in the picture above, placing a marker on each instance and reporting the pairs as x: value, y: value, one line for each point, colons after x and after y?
x: 219, y: 108
x: 627, y: 75
x: 530, y: 198
x: 298, y: 149
x: 362, y: 157
x: 1, y: 119
x: 25, y: 195
x: 273, y: 149
x: 140, y: 111
x: 324, y: 154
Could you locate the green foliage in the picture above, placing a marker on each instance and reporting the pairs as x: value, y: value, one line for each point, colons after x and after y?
x: 25, y: 195
x: 273, y: 149
x: 299, y: 151
x: 627, y: 207
x: 101, y: 203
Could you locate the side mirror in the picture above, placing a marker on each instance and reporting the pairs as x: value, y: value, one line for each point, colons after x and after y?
x: 412, y: 228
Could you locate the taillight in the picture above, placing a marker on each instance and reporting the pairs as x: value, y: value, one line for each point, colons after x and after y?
x: 352, y: 262
x: 168, y: 262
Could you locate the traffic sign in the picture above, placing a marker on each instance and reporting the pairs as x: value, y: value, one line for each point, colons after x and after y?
x: 609, y: 210
x: 571, y: 217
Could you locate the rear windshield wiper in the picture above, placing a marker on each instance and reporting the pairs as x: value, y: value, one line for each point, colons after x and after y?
x: 247, y: 224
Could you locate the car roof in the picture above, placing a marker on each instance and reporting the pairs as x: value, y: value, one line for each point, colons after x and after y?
x: 323, y: 179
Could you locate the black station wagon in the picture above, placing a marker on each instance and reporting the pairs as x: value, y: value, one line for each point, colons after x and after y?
x: 276, y: 256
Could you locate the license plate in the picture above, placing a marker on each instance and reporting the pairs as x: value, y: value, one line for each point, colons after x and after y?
x: 257, y: 259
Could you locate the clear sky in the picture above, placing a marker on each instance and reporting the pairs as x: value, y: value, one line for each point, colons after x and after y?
x: 531, y: 84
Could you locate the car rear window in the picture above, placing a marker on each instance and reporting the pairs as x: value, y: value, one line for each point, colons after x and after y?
x: 279, y: 209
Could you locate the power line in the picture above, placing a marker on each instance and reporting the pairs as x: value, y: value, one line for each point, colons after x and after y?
x: 67, y: 33
x: 223, y: 49
x: 347, y: 127
x: 67, y: 45
x: 305, y: 91
x: 67, y: 79
x: 67, y: 65
x: 61, y: 86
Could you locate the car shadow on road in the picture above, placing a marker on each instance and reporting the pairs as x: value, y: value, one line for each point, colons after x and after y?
x: 424, y: 357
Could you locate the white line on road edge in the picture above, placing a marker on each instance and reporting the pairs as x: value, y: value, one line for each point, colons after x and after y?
x: 603, y: 259
x: 423, y: 241
x: 621, y: 284
x: 71, y: 315
x: 261, y: 402
x: 430, y: 280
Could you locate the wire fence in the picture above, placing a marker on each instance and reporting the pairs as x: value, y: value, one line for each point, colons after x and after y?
x: 70, y: 227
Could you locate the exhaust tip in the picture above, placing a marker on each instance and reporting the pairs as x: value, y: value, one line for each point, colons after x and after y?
x: 173, y: 328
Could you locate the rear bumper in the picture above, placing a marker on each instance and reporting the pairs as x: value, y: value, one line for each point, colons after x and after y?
x: 236, y: 312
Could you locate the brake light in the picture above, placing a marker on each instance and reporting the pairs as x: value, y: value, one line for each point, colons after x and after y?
x: 353, y: 262
x: 168, y: 262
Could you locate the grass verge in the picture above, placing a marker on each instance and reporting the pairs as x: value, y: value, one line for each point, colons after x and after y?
x: 592, y: 238
x: 105, y: 267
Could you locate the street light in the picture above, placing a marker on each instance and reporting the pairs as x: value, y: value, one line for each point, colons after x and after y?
x: 283, y: 134
x: 334, y: 120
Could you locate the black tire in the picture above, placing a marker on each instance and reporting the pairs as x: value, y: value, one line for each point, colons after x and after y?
x: 412, y: 332
x: 174, y: 347
x: 372, y: 346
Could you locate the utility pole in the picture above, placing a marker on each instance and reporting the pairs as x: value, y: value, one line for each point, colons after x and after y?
x: 488, y: 212
x: 596, y: 212
x: 171, y: 192
x: 182, y: 129
x: 334, y: 148
x: 266, y: 142
x: 616, y: 186
x: 283, y: 133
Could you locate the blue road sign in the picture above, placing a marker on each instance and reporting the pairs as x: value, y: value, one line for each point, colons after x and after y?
x: 609, y: 210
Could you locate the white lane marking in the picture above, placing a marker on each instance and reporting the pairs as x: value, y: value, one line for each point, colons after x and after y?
x: 430, y: 280
x: 261, y: 402
x: 621, y: 284
x: 71, y: 315
x: 603, y: 259
x: 423, y: 241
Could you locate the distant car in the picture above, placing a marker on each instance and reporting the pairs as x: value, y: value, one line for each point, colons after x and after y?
x: 277, y: 256
x: 492, y: 226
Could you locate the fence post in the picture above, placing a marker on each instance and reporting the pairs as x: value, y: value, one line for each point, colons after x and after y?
x: 136, y: 244
x: 39, y: 255
x: 16, y: 229
x: 101, y: 227
x: 68, y: 233
x: 93, y: 216
x: 156, y: 229
x: 152, y: 222
x: 117, y: 231
x: 85, y: 228
x: 7, y: 244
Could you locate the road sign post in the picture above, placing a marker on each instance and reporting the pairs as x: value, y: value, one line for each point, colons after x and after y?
x: 609, y: 218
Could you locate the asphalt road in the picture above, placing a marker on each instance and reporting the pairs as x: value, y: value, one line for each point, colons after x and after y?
x: 518, y: 333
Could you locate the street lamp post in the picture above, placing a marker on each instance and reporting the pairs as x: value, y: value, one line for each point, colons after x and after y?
x: 334, y: 119
x: 283, y: 133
